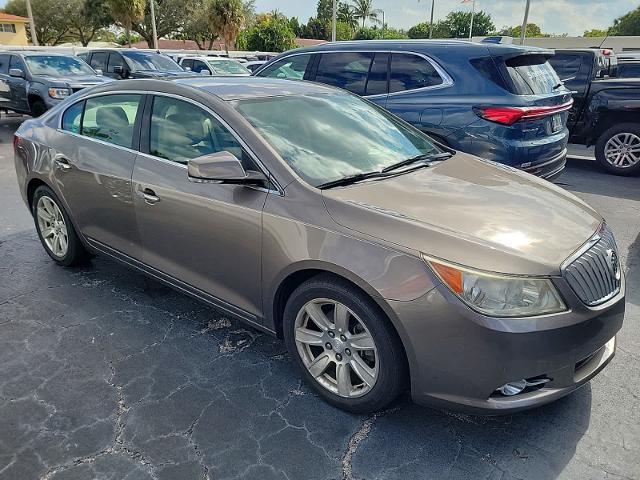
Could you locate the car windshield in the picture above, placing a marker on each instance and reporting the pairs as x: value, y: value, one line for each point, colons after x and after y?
x: 229, y: 67
x: 331, y: 136
x: 57, y: 66
x: 152, y: 61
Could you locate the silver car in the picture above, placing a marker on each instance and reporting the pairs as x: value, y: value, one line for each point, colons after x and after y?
x: 384, y: 260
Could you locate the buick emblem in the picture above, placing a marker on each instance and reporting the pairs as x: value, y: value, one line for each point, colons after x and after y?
x: 612, y: 263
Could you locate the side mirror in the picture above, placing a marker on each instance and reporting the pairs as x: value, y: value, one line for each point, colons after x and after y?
x: 120, y: 70
x: 222, y: 167
x: 99, y: 72
x: 16, y: 72
x: 205, y: 72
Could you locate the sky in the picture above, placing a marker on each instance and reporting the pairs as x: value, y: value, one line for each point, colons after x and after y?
x: 553, y: 16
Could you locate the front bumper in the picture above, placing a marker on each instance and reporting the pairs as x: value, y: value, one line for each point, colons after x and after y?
x: 458, y: 361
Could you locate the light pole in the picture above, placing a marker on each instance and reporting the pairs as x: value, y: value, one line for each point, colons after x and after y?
x: 334, y: 19
x: 473, y: 13
x: 153, y: 24
x: 524, y: 23
x: 433, y: 2
x: 32, y: 24
x: 382, y: 12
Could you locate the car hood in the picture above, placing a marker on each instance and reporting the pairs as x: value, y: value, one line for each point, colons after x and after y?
x: 471, y: 212
x: 161, y: 73
x: 84, y: 80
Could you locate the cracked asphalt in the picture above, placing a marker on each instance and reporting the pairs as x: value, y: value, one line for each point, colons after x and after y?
x: 106, y: 374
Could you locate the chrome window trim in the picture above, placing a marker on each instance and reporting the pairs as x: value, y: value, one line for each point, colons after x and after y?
x: 447, y: 81
x: 264, y: 170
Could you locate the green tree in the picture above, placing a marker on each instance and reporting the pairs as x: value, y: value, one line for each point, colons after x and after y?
x: 595, y: 32
x: 126, y: 13
x: 363, y: 10
x: 51, y: 18
x: 294, y: 25
x: 199, y: 27
x: 268, y: 34
x: 420, y: 30
x: 171, y: 17
x: 324, y: 11
x: 458, y: 24
x: 316, y: 29
x: 627, y: 24
x: 227, y: 19
x: 533, y: 31
x: 87, y: 18
x: 346, y: 14
x: 344, y: 31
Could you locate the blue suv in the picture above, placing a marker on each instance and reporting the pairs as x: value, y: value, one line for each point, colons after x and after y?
x: 500, y: 102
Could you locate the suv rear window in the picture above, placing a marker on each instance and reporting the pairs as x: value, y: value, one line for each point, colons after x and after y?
x: 531, y: 75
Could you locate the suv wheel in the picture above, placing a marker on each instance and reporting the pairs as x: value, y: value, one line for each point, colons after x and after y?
x: 618, y: 149
x: 38, y: 108
x: 55, y: 230
x: 344, y: 345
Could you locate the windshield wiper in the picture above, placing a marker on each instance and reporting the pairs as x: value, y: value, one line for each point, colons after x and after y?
x: 352, y: 179
x: 424, y: 157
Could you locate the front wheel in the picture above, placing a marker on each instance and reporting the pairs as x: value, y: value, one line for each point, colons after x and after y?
x: 618, y: 149
x: 344, y: 344
x: 38, y: 108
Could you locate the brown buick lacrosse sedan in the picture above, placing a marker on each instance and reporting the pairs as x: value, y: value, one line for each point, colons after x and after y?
x: 385, y: 261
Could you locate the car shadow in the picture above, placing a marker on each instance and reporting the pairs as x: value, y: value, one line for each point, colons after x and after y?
x: 588, y: 177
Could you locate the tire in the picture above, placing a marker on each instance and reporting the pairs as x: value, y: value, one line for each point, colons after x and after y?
x: 49, y: 215
x: 367, y: 326
x: 38, y: 108
x: 615, y: 139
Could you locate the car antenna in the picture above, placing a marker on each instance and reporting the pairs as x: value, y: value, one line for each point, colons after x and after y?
x: 603, y: 40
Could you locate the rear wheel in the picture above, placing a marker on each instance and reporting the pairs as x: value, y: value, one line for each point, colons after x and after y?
x: 55, y: 230
x: 344, y: 345
x: 618, y: 149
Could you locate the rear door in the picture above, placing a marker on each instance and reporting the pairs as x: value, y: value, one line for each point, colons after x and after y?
x: 18, y: 85
x: 207, y: 235
x: 93, y: 165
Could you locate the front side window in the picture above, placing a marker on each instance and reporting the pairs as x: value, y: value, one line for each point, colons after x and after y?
x: 199, y: 66
x: 71, y: 118
x: 115, y: 60
x: 229, y: 67
x: 377, y: 83
x: 409, y: 72
x: 16, y: 62
x: 347, y: 70
x: 344, y: 136
x: 291, y: 67
x: 111, y: 118
x: 187, y: 63
x: 57, y: 65
x: 181, y: 131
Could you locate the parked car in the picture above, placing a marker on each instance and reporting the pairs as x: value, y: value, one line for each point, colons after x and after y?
x: 605, y: 111
x: 628, y: 65
x: 33, y: 82
x: 254, y: 64
x: 214, y: 66
x: 122, y: 63
x: 501, y: 102
x: 377, y: 254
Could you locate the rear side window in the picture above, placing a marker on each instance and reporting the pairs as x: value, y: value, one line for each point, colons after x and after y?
x: 347, y: 70
x: 629, y: 70
x: 187, y: 63
x: 290, y: 67
x: 378, y: 80
x: 531, y: 75
x: 115, y: 60
x: 99, y: 61
x: 111, y: 118
x: 566, y: 65
x: 72, y: 117
x: 199, y: 66
x: 409, y: 72
x: 4, y: 64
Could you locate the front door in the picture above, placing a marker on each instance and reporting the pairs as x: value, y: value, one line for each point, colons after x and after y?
x: 205, y: 235
x: 93, y: 164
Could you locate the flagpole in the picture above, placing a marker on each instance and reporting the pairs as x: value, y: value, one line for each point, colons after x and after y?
x: 431, y: 22
x: 524, y: 23
x: 473, y: 12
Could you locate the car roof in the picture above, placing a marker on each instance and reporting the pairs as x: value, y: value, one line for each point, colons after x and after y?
x: 32, y: 53
x: 239, y: 88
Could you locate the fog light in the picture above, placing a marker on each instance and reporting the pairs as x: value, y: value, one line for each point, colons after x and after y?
x: 513, y: 388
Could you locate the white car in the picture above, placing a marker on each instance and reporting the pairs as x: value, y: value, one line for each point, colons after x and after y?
x: 214, y: 66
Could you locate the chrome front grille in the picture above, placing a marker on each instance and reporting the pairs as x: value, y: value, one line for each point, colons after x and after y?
x: 595, y: 274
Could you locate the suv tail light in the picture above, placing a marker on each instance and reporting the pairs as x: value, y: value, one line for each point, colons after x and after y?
x: 510, y: 115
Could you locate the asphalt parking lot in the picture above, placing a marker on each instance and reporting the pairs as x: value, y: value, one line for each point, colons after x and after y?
x: 106, y: 374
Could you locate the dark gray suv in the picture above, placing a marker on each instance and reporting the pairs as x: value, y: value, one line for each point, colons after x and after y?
x: 33, y: 82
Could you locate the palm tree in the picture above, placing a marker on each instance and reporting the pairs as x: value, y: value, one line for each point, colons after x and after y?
x: 227, y: 18
x: 363, y: 9
x: 125, y: 12
x: 346, y: 15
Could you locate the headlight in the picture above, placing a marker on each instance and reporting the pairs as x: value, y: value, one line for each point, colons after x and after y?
x: 59, y: 93
x: 500, y: 295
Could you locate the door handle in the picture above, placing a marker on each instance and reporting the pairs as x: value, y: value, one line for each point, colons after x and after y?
x: 150, y: 197
x: 62, y: 163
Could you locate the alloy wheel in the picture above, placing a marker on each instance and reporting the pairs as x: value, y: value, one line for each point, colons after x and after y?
x: 53, y: 228
x: 623, y: 150
x: 336, y: 348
